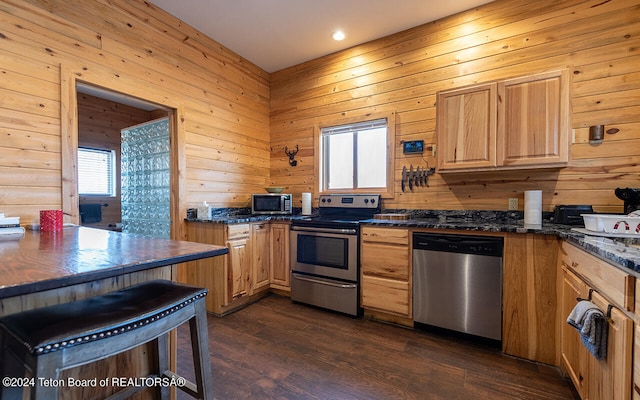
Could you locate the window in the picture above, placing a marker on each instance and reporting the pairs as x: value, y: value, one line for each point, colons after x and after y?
x: 355, y: 157
x: 96, y: 172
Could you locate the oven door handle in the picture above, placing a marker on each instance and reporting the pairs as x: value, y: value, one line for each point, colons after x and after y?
x: 323, y: 282
x: 324, y: 230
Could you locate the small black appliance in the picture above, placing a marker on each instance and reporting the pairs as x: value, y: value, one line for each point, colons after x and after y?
x: 631, y: 198
x: 571, y: 214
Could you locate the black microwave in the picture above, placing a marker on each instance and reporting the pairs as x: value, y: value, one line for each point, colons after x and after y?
x: 271, y: 203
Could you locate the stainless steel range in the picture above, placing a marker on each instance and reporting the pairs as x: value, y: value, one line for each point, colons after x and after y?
x: 325, y: 254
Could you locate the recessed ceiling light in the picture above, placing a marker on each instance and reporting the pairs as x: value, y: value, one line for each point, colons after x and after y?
x: 338, y: 35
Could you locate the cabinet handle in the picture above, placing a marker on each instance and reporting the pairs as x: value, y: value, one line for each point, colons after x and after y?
x: 574, y: 264
x: 636, y: 388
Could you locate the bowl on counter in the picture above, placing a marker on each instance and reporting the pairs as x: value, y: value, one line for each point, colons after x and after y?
x: 274, y: 189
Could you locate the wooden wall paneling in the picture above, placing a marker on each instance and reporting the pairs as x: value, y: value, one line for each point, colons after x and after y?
x: 164, y: 22
x: 443, y: 55
x: 502, y: 40
x: 131, y: 48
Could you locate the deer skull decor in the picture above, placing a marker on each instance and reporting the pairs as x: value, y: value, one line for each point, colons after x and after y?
x: 292, y: 155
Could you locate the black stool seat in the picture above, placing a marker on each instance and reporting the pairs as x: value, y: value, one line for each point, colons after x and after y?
x: 64, y: 325
x: 50, y: 339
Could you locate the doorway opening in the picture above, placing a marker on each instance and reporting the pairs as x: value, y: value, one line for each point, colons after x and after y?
x: 141, y: 174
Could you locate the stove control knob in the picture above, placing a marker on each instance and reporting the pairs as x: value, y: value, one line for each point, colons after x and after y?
x: 373, y: 201
x: 366, y: 201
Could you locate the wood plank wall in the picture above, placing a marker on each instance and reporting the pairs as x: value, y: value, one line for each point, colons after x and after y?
x: 237, y: 119
x: 596, y: 40
x: 132, y: 47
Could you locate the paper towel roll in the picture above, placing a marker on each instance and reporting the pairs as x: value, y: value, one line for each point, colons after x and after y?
x: 533, y: 207
x: 306, y: 203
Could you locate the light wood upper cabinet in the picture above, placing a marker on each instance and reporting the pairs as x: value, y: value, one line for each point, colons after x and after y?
x: 508, y: 124
x: 467, y: 124
x: 533, y: 120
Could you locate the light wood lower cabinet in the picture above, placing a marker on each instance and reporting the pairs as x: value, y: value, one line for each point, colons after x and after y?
x: 239, y: 261
x: 261, y: 257
x: 243, y: 274
x: 385, y: 270
x: 636, y: 359
x: 573, y: 355
x: 280, y: 272
x: 611, y: 378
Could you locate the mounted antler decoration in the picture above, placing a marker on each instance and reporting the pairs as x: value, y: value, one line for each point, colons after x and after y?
x: 292, y: 155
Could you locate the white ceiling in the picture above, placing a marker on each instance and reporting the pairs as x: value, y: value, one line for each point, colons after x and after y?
x: 275, y: 34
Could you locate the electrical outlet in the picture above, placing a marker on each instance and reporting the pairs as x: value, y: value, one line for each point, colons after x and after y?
x: 513, y: 203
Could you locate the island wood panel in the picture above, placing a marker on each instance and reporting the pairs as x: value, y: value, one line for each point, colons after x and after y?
x: 133, y: 48
x: 208, y: 272
x: 136, y: 362
x: 595, y: 41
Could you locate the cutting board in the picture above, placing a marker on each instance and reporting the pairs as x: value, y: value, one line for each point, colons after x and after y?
x: 391, y: 216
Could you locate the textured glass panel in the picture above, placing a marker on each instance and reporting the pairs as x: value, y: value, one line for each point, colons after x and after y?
x: 146, y: 180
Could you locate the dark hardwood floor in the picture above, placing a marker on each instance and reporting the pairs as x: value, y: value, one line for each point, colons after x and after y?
x: 276, y: 349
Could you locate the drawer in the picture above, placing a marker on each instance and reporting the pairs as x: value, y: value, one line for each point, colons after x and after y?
x: 386, y: 295
x: 390, y: 261
x: 238, y: 231
x: 613, y: 283
x: 385, y: 235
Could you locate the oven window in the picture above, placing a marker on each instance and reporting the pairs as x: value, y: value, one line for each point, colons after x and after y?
x: 323, y: 251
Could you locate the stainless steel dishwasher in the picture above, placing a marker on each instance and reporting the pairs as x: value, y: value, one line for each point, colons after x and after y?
x: 457, y: 283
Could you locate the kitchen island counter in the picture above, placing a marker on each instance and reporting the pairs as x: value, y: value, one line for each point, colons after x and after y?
x: 39, y: 261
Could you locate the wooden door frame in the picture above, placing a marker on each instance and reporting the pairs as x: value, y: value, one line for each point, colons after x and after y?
x: 69, y: 142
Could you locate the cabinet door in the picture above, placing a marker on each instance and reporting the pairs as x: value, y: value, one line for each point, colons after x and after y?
x: 533, y: 127
x: 573, y: 352
x: 280, y: 267
x: 636, y: 363
x: 239, y: 260
x: 466, y: 127
x: 610, y: 379
x: 260, y: 257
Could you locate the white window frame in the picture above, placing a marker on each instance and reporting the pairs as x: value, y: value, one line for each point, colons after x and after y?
x: 388, y: 190
x: 110, y: 175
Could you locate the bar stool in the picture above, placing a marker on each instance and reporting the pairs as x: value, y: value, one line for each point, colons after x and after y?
x: 50, y: 339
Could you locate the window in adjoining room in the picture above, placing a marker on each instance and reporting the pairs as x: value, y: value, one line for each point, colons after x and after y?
x: 96, y: 172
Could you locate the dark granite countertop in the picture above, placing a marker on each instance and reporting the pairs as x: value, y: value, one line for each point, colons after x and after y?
x: 39, y: 261
x: 619, y: 252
